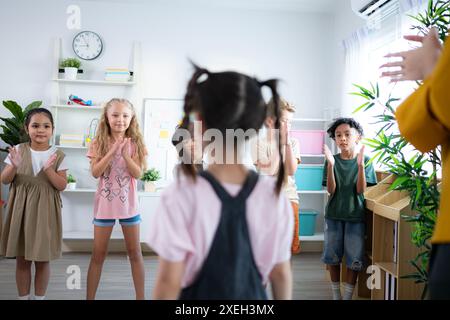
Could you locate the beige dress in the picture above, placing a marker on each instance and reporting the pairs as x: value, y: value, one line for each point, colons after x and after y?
x: 33, y: 227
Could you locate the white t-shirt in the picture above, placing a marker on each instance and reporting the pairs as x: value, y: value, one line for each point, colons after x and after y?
x: 39, y: 158
x: 267, y: 153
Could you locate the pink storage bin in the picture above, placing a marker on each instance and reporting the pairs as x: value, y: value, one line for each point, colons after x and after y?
x: 310, y: 141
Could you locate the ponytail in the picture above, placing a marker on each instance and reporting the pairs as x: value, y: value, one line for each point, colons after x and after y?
x: 189, y: 168
x: 272, y: 84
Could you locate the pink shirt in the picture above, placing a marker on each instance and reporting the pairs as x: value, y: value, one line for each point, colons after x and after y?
x: 116, y: 196
x: 183, y: 226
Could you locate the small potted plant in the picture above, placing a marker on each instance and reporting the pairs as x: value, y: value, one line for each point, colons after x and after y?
x: 71, y: 66
x: 150, y: 177
x: 71, y: 182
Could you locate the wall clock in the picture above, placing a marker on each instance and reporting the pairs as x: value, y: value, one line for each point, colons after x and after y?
x: 87, y: 45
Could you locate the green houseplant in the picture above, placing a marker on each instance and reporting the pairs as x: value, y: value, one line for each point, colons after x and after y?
x: 393, y: 152
x: 13, y: 129
x: 71, y: 182
x: 71, y: 66
x: 149, y: 178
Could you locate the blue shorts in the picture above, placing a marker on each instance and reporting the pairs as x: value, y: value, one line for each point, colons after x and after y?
x: 123, y: 222
x: 344, y: 237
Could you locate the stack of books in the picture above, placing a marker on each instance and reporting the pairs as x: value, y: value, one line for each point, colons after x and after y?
x: 72, y: 140
x: 117, y: 74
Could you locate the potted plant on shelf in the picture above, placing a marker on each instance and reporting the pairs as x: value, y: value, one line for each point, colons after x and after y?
x: 150, y: 177
x: 71, y: 182
x: 71, y: 66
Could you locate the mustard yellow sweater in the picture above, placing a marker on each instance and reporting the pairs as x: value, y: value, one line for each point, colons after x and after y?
x: 424, y: 120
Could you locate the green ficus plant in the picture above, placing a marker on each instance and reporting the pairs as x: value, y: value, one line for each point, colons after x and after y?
x: 393, y: 152
x: 70, y: 63
x: 13, y: 128
x: 151, y: 175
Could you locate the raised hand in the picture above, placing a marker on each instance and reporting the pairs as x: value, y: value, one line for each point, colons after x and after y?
x: 126, y: 148
x: 284, y: 133
x: 416, y: 64
x: 117, y: 145
x: 328, y: 155
x: 360, y: 157
x: 50, y: 162
x: 15, y: 157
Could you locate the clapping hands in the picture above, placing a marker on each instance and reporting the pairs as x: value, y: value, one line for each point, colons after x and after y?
x: 416, y: 64
x: 16, y: 158
x: 50, y: 162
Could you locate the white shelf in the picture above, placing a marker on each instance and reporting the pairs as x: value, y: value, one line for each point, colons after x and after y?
x: 97, y: 82
x: 89, y: 190
x: 88, y: 235
x: 312, y: 155
x: 309, y: 120
x: 80, y: 190
x: 315, y: 237
x: 312, y: 191
x: 76, y: 106
x: 70, y: 147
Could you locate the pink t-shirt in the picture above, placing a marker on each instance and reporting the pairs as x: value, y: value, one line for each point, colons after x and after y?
x: 184, y: 225
x: 116, y: 196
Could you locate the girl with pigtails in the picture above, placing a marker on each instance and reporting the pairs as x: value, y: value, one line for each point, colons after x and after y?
x: 225, y: 232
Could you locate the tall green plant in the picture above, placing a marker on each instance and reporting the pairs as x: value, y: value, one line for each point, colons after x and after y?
x: 393, y: 152
x: 13, y: 129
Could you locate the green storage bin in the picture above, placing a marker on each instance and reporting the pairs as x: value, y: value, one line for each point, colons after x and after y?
x: 307, y: 222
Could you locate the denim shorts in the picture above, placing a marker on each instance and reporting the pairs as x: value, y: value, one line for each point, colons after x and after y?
x: 344, y: 237
x: 123, y: 222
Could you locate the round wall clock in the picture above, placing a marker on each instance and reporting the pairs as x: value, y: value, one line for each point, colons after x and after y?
x: 87, y: 45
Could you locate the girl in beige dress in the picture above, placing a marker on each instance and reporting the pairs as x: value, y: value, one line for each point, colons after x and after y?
x: 33, y: 232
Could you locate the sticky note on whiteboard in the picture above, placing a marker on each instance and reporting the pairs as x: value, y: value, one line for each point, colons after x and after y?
x: 163, y: 134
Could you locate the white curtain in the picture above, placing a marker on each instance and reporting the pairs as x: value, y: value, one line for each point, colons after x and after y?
x: 364, y: 53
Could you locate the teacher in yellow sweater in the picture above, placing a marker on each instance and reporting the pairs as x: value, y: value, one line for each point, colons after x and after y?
x: 424, y: 120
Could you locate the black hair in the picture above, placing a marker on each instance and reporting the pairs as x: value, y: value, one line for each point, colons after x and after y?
x: 229, y: 100
x: 32, y: 112
x: 350, y: 121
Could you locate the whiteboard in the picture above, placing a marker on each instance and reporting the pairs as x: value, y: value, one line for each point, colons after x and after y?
x: 161, y: 116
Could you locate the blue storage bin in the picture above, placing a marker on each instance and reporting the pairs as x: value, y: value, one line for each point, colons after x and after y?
x: 307, y: 222
x: 309, y: 177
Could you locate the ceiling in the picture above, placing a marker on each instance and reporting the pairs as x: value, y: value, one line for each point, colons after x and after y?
x: 265, y: 5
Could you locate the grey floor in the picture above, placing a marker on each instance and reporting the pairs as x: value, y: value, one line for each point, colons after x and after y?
x: 310, y: 281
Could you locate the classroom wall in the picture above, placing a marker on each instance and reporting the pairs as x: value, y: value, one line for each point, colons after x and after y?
x: 295, y: 47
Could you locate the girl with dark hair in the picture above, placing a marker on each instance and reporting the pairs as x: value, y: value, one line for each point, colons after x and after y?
x: 33, y: 230
x: 226, y: 232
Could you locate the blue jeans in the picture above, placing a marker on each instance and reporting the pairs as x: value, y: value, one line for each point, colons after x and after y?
x: 123, y: 222
x: 341, y: 238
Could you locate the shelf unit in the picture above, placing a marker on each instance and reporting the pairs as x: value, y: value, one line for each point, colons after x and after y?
x: 76, y: 119
x: 388, y: 243
x: 314, y: 242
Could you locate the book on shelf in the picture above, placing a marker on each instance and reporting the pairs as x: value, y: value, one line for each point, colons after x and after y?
x: 395, y: 244
x: 117, y: 74
x: 390, y: 287
x: 73, y: 140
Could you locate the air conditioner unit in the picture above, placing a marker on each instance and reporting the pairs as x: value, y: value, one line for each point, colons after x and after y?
x: 367, y: 8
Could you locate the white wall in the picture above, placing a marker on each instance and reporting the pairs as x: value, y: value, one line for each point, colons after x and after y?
x: 294, y: 47
x: 345, y: 23
x: 297, y: 48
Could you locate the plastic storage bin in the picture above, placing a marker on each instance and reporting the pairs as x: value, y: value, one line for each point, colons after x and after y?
x: 307, y: 222
x: 309, y: 177
x: 310, y: 141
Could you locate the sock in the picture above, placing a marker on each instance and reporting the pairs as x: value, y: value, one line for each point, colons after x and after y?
x: 336, y: 289
x: 26, y: 297
x: 39, y: 297
x: 348, y: 291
